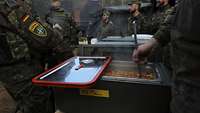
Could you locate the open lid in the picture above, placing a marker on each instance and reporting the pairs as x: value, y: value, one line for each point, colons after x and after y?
x: 77, y: 72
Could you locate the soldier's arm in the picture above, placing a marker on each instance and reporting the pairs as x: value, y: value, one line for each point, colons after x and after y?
x: 38, y: 29
x: 37, y: 33
x: 162, y: 37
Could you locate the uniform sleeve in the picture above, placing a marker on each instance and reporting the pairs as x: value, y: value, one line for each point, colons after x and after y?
x: 163, y: 34
x: 144, y: 25
x: 37, y: 33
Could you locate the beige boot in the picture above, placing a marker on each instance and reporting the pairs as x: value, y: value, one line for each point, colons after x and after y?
x: 7, y: 103
x: 58, y: 111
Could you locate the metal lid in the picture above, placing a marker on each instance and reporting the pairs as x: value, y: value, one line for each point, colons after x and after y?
x: 77, y: 72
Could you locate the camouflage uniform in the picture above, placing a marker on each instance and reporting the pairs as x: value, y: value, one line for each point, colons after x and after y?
x: 69, y: 31
x: 155, y: 23
x: 107, y: 27
x: 158, y: 17
x: 185, y: 53
x: 140, y: 21
x: 25, y: 56
x: 65, y: 20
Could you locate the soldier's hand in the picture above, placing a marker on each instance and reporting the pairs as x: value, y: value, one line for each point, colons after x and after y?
x: 142, y: 52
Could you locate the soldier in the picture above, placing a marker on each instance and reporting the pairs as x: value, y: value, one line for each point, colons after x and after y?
x: 106, y: 26
x: 26, y: 41
x: 57, y: 17
x: 183, y: 32
x: 159, y: 16
x: 163, y: 9
x: 134, y: 8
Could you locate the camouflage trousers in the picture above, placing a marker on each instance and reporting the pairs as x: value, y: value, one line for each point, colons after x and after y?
x: 29, y: 98
x: 185, y: 97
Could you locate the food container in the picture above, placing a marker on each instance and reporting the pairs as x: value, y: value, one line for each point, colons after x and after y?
x: 116, y: 94
x: 124, y: 70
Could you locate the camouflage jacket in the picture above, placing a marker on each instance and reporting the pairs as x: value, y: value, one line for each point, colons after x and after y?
x: 181, y: 29
x: 106, y: 29
x: 140, y: 22
x: 37, y: 34
x: 185, y: 51
x: 65, y: 20
x: 158, y: 17
x: 13, y: 45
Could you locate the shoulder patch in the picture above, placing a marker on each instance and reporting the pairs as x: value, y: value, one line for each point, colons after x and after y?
x: 37, y: 29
